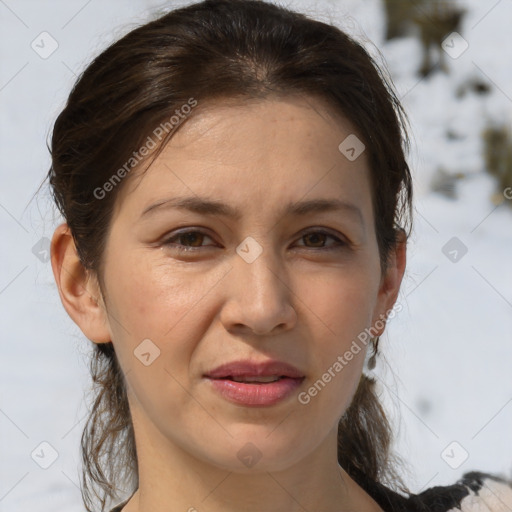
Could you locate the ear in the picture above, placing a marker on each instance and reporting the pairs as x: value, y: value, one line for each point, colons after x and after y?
x: 391, y: 280
x: 78, y: 288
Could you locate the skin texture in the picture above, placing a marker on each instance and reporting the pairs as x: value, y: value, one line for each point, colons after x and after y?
x: 296, y: 302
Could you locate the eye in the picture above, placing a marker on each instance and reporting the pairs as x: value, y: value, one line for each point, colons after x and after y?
x: 193, y: 237
x: 191, y: 240
x: 319, y: 236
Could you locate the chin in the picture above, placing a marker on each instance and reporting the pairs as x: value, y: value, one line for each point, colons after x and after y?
x: 252, y: 453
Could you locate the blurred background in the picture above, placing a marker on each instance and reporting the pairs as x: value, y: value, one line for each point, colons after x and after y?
x: 445, y: 373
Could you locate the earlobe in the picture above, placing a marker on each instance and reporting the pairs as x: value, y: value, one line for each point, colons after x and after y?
x: 78, y: 290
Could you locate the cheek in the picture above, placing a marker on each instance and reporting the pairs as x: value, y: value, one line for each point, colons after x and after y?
x: 339, y: 309
x: 158, y: 315
x: 153, y: 298
x: 339, y: 312
x: 162, y: 303
x: 340, y: 303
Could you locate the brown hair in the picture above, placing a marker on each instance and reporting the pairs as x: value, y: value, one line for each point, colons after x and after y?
x: 217, y: 49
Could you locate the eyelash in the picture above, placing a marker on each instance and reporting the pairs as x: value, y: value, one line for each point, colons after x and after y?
x: 182, y: 248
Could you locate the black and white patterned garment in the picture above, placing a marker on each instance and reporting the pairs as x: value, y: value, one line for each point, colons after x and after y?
x: 474, y: 492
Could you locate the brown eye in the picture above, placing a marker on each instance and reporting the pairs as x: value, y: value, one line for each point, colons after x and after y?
x: 192, y: 237
x: 187, y: 240
x: 315, y: 238
x: 318, y: 239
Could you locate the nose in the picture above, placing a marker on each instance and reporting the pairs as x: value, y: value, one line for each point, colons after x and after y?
x: 259, y: 297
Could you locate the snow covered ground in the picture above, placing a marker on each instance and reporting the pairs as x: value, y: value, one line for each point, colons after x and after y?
x: 446, y: 372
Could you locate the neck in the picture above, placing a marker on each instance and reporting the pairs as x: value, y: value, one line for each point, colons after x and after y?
x: 173, y: 477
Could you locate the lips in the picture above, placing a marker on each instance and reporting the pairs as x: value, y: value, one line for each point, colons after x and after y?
x: 251, y: 371
x: 255, y: 384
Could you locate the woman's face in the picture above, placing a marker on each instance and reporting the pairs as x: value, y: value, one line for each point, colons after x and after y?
x: 286, y: 279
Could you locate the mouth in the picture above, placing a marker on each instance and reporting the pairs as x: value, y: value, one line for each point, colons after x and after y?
x: 250, y: 383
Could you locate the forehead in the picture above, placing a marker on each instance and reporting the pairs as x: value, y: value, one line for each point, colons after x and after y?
x: 258, y: 151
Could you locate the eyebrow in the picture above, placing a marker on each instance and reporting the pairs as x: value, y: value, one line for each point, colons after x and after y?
x: 211, y: 207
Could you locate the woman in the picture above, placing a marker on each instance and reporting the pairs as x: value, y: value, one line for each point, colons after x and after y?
x: 235, y: 194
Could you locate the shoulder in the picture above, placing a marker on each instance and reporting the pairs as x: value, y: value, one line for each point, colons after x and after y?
x: 476, y: 491
x: 487, y: 493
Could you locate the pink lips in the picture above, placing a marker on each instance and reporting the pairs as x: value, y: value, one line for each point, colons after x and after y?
x: 255, y: 393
